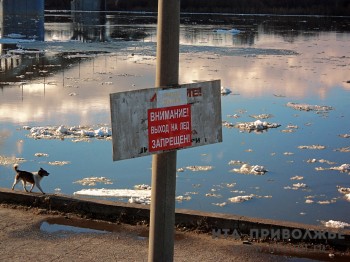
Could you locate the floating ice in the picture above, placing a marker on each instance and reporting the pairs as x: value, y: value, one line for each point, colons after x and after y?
x: 307, y: 107
x: 261, y: 116
x: 59, y: 163
x: 91, y: 181
x: 220, y: 204
x: 75, y: 133
x: 182, y: 198
x: 142, y: 187
x: 335, y: 224
x: 41, y: 155
x: 342, y: 168
x: 225, y: 90
x: 235, y: 162
x: 318, y: 147
x: 343, y: 149
x: 199, y: 168
x: 240, y: 199
x: 247, y: 169
x: 257, y: 125
x: 345, y: 135
x: 140, y: 200
x: 344, y: 190
x: 114, y: 192
x: 297, y: 178
x: 4, y: 160
x: 297, y: 186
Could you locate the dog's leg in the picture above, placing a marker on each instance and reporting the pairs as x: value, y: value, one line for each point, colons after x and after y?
x: 38, y: 186
x: 24, y: 183
x: 32, y: 188
x: 15, y: 183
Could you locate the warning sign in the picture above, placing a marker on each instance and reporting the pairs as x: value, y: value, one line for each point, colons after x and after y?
x: 156, y: 120
x: 169, y: 128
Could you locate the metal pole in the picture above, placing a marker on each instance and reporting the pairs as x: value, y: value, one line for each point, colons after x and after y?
x: 162, y: 218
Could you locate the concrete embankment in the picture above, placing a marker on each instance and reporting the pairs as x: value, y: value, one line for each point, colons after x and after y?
x: 217, y: 224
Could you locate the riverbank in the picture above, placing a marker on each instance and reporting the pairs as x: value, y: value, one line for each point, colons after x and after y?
x: 226, y: 231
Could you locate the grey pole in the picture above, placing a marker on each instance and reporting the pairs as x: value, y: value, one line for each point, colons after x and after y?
x: 162, y: 217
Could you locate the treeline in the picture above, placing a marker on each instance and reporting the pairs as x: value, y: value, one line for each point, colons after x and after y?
x: 282, y: 7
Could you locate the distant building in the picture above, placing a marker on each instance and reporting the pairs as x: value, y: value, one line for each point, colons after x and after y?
x: 22, y: 19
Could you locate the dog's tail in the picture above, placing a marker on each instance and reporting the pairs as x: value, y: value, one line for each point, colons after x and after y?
x: 15, y: 166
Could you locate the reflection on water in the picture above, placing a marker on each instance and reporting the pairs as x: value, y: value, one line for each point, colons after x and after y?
x: 270, y: 62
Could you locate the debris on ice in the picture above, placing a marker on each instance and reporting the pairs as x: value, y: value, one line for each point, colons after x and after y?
x: 257, y: 125
x: 4, y: 160
x: 344, y: 135
x: 335, y: 224
x: 248, y: 169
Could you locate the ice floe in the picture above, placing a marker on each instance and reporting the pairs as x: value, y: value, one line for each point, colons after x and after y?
x: 257, y: 125
x: 313, y: 147
x: 142, y: 187
x: 344, y: 135
x: 182, y: 198
x: 220, y: 204
x: 123, y: 193
x: 248, y: 169
x: 307, y: 107
x: 343, y: 149
x: 58, y: 163
x: 335, y: 224
x: 261, y: 116
x: 199, y: 168
x: 73, y: 132
x: 342, y: 168
x: 41, y: 155
x: 314, y: 160
x: 225, y: 91
x: 297, y: 178
x: 240, y: 199
x: 345, y: 191
x: 92, y: 181
x: 296, y: 186
x: 5, y: 160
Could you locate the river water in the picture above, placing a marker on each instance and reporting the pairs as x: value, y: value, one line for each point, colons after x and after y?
x: 270, y: 64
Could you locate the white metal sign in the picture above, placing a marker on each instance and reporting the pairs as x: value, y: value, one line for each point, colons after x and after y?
x: 155, y: 120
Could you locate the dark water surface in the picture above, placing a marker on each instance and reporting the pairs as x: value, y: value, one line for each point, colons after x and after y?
x: 66, y: 80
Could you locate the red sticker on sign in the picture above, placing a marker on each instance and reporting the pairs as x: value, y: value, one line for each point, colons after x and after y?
x: 169, y: 128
